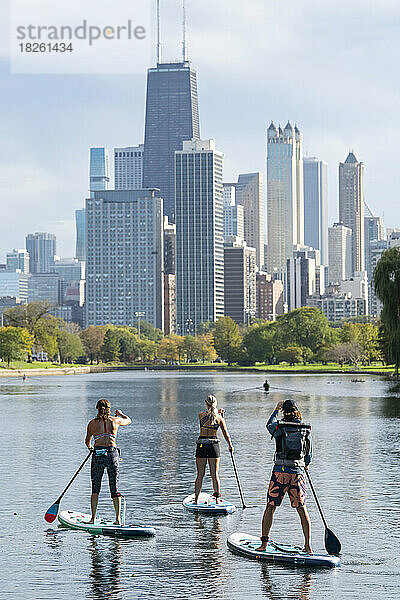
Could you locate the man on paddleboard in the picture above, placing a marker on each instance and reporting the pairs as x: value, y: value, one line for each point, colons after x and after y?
x: 293, y: 455
x: 103, y: 429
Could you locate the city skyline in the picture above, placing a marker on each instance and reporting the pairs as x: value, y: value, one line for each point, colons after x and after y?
x: 47, y: 180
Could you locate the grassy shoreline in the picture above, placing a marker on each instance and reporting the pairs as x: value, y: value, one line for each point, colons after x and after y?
x: 32, y: 369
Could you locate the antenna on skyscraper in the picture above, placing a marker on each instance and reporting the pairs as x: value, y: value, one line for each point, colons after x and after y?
x: 184, y: 45
x: 158, y: 33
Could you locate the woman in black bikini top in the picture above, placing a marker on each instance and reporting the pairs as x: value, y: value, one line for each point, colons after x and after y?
x: 207, y: 448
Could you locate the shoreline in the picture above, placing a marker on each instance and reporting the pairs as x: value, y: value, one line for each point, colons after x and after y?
x: 83, y: 370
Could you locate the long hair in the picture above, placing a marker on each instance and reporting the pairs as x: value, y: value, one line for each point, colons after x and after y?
x: 293, y: 414
x: 211, y: 403
x: 103, y: 409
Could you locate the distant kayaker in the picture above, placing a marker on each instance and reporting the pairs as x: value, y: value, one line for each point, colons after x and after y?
x: 103, y: 429
x: 207, y: 448
x: 24, y: 378
x: 293, y: 455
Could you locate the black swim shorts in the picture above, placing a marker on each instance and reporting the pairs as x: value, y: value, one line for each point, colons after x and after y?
x: 208, y: 448
x: 105, y: 458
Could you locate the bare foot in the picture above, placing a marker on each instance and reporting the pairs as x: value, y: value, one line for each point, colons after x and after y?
x: 117, y: 522
x: 307, y: 550
x: 261, y: 548
x: 91, y: 522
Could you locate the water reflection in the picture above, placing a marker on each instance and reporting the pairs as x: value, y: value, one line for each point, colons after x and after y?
x: 105, y: 574
x: 298, y: 586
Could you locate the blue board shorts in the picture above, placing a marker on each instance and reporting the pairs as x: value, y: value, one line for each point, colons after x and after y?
x: 105, y: 458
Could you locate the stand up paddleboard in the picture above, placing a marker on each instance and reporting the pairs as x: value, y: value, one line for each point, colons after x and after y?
x: 207, y: 505
x: 76, y: 520
x: 245, y: 545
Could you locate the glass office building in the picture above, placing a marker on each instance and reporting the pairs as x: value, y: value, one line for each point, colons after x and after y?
x: 99, y: 172
x: 171, y: 117
x: 125, y: 257
x: 42, y: 249
x: 199, y: 235
x: 316, y: 206
x: 80, y: 225
x: 128, y: 168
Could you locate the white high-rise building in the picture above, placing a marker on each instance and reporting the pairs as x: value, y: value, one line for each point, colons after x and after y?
x: 285, y: 194
x: 18, y: 259
x: 233, y: 213
x: 357, y: 287
x: 249, y: 194
x: 199, y: 235
x: 340, y: 253
x: 351, y: 206
x: 316, y: 206
x: 128, y: 168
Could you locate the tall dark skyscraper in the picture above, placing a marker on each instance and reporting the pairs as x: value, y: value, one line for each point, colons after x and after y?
x: 172, y: 116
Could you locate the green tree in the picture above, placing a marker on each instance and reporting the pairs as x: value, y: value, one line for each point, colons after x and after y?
x: 129, y: 345
x: 305, y: 326
x: 206, y: 346
x: 69, y: 346
x: 15, y: 343
x: 36, y: 319
x: 110, y: 348
x: 366, y: 336
x: 260, y: 342
x: 387, y: 288
x: 167, y: 350
x: 205, y: 327
x: 291, y: 355
x: 92, y: 340
x: 147, y: 330
x: 227, y: 339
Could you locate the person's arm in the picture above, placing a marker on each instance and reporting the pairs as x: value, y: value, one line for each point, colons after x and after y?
x: 308, y: 456
x: 272, y: 423
x: 122, y: 419
x: 89, y: 435
x: 225, y: 433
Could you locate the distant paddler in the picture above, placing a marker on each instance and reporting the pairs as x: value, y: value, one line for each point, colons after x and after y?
x: 207, y: 448
x: 103, y: 428
x: 293, y: 455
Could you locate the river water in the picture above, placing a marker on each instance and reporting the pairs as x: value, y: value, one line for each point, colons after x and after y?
x: 356, y: 433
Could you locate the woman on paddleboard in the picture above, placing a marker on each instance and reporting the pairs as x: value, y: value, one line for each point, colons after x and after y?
x: 103, y: 429
x: 207, y: 448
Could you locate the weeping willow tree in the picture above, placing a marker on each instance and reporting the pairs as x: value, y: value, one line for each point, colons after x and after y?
x: 387, y: 288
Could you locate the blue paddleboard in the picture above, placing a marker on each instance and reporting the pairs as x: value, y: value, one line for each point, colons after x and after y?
x: 245, y: 545
x: 207, y: 505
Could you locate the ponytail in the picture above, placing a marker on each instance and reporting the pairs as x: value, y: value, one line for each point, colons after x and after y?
x: 211, y: 403
x: 103, y: 409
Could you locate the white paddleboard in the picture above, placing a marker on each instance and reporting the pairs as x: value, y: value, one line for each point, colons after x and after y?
x: 79, y: 520
x: 245, y: 545
x: 207, y: 505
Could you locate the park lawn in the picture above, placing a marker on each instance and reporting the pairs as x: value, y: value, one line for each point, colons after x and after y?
x: 22, y: 365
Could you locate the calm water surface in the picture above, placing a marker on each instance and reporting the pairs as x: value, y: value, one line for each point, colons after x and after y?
x: 356, y: 432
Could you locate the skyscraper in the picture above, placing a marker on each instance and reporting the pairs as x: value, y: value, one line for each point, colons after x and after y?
x: 99, y: 172
x: 125, y: 258
x: 285, y: 194
x: 18, y: 259
x: 233, y: 213
x: 249, y: 194
x: 351, y: 206
x: 316, y: 206
x: 42, y: 249
x: 199, y: 234
x: 80, y: 234
x: 240, y: 280
x: 373, y: 230
x: 340, y: 253
x: 172, y: 116
x: 128, y: 168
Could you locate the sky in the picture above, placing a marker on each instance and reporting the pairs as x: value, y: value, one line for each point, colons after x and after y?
x: 330, y: 66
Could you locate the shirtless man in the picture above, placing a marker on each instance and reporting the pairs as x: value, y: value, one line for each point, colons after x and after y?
x: 103, y: 429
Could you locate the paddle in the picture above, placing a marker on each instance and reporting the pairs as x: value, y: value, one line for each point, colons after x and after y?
x: 237, y: 479
x: 52, y: 512
x: 332, y: 543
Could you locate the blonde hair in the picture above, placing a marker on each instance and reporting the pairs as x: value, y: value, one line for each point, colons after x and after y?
x: 292, y: 414
x: 211, y: 403
x: 103, y: 409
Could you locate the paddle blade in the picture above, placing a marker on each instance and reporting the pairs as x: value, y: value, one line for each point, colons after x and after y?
x: 332, y: 544
x: 52, y: 512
